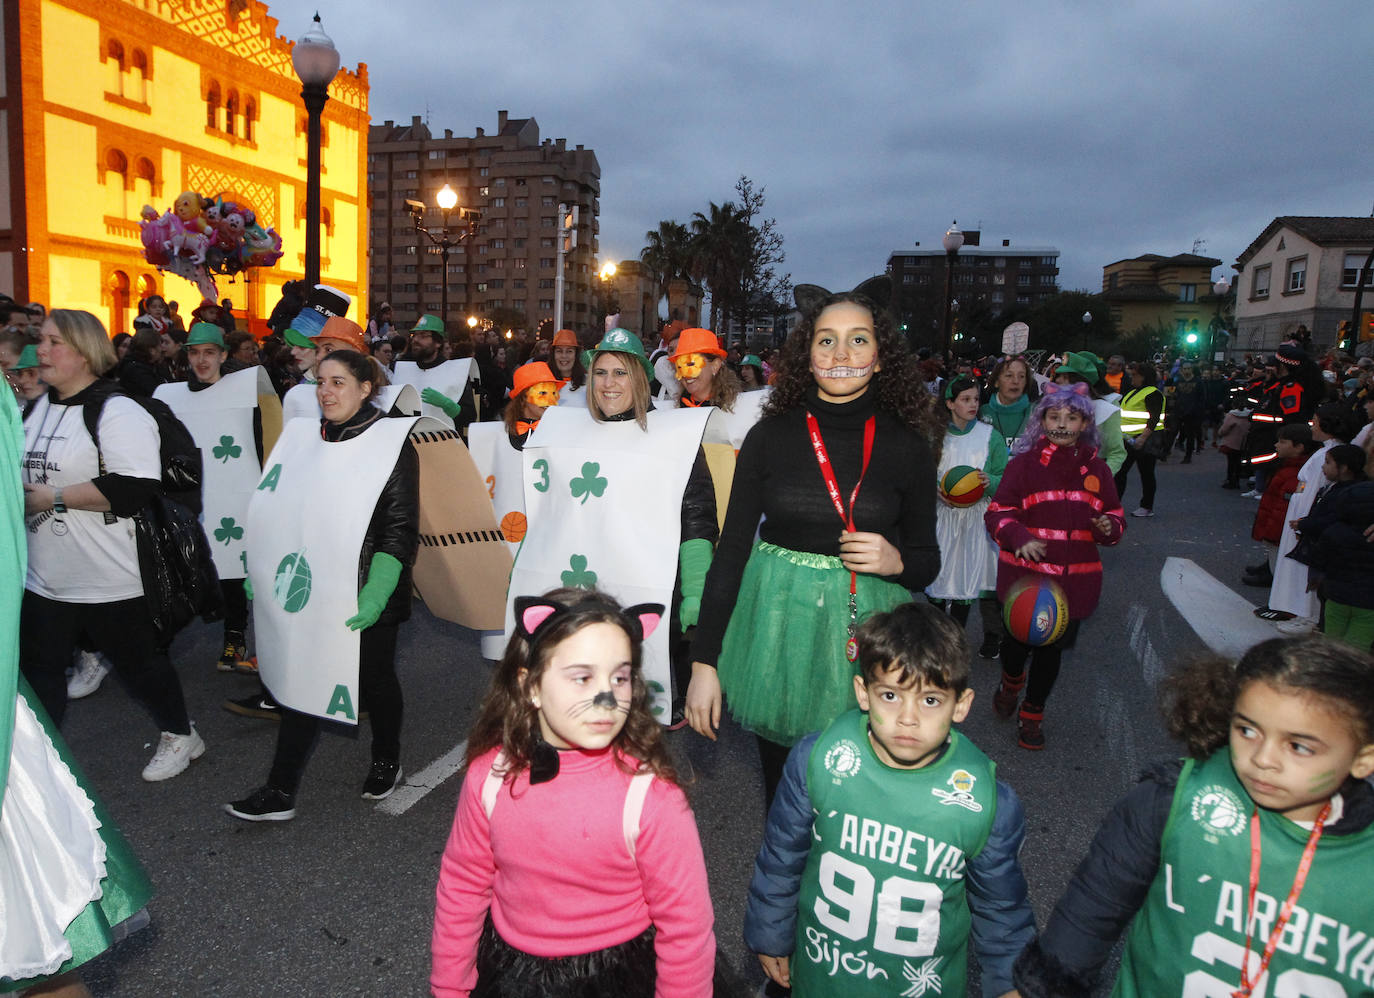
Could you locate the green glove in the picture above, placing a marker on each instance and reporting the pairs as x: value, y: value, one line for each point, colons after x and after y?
x: 383, y: 573
x: 436, y: 398
x: 248, y: 587
x: 693, y: 562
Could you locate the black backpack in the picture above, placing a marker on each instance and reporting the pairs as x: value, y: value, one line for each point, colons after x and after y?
x: 174, y: 559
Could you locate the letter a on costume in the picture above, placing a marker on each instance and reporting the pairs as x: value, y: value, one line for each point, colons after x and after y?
x: 341, y: 703
x: 270, y: 480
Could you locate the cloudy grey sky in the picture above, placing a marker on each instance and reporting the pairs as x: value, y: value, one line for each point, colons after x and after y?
x: 1105, y: 129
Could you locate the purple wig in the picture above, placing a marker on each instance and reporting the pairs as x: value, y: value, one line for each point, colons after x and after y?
x: 1075, y: 397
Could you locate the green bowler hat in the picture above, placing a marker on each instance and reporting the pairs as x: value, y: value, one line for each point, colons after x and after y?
x: 205, y: 332
x: 620, y: 341
x: 1082, y: 364
x: 430, y: 324
x: 28, y: 357
x: 296, y: 338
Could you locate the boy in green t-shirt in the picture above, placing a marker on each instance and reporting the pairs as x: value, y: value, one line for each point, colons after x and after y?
x: 890, y: 841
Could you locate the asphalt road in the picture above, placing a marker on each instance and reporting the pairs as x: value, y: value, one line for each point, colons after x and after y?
x: 340, y: 900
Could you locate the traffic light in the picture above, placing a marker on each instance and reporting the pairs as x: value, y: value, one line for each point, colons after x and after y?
x: 1191, y: 339
x: 1343, y: 335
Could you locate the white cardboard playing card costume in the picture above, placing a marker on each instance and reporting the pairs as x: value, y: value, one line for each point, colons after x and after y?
x: 596, y: 496
x: 502, y: 469
x: 449, y: 378
x: 220, y: 420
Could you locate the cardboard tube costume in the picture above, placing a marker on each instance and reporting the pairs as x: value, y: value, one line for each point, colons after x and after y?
x: 449, y: 378
x: 502, y: 469
x: 594, y: 495
x: 307, y: 537
x: 725, y: 433
x: 220, y: 419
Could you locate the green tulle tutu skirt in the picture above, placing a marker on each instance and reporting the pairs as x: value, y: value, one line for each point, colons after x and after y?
x: 782, y: 665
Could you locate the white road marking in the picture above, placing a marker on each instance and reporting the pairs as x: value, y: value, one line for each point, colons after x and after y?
x: 430, y: 778
x: 1222, y: 618
x: 1151, y: 666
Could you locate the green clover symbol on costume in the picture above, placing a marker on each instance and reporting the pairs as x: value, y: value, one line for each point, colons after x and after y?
x: 228, y: 531
x: 578, y: 575
x: 226, y: 448
x: 589, y: 484
x: 656, y: 692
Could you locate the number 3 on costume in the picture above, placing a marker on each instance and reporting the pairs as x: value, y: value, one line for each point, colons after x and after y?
x: 541, y: 466
x: 1213, y: 950
x: 892, y: 916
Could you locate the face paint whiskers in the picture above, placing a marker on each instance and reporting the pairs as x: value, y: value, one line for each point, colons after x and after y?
x: 605, y: 700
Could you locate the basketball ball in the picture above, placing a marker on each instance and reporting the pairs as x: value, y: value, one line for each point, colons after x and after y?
x: 961, y: 485
x: 513, y: 527
x: 1035, y: 611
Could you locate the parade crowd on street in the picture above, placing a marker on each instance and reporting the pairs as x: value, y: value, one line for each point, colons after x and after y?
x: 649, y: 533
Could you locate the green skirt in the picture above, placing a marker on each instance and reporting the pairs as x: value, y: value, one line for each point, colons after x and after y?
x: 125, y: 888
x: 782, y: 664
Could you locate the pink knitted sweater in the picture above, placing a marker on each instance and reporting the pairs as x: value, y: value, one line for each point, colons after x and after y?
x: 553, y: 867
x: 1052, y: 494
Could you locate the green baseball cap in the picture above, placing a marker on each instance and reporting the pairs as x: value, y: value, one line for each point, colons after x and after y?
x: 205, y: 332
x: 28, y: 357
x: 620, y: 341
x: 296, y: 338
x: 429, y: 324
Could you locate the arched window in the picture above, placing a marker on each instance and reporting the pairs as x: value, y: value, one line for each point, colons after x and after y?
x: 231, y: 110
x: 118, y: 286
x: 212, y: 102
x: 250, y: 111
x: 114, y: 67
x: 147, y: 285
x: 138, y: 77
x: 116, y: 184
x: 144, y: 177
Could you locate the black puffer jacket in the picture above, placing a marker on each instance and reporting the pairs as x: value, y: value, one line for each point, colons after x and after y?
x: 394, y: 528
x: 1342, y: 555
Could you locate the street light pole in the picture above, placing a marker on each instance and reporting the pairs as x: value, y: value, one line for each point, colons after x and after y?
x: 447, y: 200
x: 952, y: 241
x: 316, y: 61
x: 1221, y: 289
x: 1087, y: 321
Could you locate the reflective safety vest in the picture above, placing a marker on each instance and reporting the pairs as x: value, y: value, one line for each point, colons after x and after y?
x: 1135, y: 417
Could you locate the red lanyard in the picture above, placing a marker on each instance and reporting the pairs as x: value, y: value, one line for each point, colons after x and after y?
x: 1248, y: 986
x: 846, y: 517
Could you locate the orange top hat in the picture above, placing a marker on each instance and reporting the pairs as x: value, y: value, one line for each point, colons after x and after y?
x: 697, y: 341
x: 346, y: 331
x: 565, y: 338
x: 533, y: 373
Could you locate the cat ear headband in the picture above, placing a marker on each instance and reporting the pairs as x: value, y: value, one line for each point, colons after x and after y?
x: 876, y: 289
x: 1078, y: 388
x: 533, y: 615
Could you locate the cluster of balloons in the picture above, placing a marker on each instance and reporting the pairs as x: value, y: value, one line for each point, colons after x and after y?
x: 200, y: 237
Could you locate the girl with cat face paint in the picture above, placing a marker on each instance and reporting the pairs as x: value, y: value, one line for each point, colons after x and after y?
x: 574, y: 865
x: 841, y: 471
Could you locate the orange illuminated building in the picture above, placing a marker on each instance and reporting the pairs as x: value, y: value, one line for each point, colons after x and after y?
x: 107, y: 105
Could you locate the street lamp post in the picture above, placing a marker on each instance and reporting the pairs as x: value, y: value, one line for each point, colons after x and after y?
x: 1087, y: 321
x: 316, y: 61
x: 952, y: 241
x: 607, y: 275
x: 447, y: 200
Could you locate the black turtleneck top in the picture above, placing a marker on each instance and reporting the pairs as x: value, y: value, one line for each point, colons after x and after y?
x: 777, y: 479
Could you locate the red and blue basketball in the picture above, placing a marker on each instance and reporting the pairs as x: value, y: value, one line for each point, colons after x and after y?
x: 1035, y: 611
x: 961, y: 485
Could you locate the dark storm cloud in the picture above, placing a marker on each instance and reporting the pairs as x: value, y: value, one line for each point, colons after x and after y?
x: 1106, y: 130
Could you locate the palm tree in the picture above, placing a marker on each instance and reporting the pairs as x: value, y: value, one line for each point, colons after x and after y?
x: 721, y: 243
x: 667, y: 254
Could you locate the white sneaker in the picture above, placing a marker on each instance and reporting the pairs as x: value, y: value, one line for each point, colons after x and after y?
x: 91, y: 670
x: 174, y: 754
x: 1298, y: 625
x: 1142, y: 511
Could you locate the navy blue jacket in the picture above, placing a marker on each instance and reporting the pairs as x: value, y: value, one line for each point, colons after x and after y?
x: 1341, y: 554
x: 1002, y: 920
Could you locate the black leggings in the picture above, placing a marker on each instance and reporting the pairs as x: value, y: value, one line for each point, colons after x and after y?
x: 235, y: 607
x: 1147, y: 476
x: 773, y: 758
x: 123, y: 631
x: 378, y: 688
x: 1044, y: 663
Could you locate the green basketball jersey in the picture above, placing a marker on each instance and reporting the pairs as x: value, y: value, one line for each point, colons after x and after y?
x: 883, y: 909
x: 1189, y: 937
